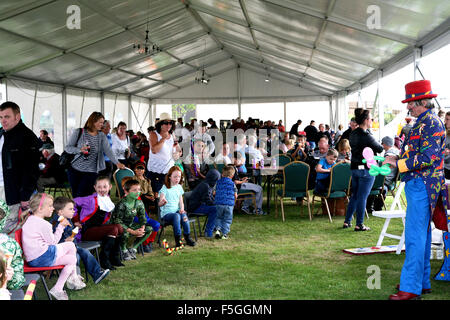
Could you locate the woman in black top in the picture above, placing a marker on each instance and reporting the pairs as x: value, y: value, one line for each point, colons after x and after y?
x: 362, y: 181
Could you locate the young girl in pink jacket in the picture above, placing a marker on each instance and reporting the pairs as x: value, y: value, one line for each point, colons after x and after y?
x: 41, y: 247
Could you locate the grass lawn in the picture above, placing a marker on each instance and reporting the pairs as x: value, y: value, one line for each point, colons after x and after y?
x: 263, y: 259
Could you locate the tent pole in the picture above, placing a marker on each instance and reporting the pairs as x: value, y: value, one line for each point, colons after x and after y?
x: 64, y: 116
x: 239, y: 89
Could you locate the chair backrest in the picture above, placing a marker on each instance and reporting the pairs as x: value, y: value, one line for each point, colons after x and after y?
x: 118, y: 175
x: 219, y: 166
x: 379, y: 182
x: 283, y: 159
x: 340, y: 177
x: 295, y: 177
x: 186, y: 198
x: 18, y: 237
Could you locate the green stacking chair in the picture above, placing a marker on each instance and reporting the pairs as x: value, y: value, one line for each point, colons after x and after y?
x: 118, y: 175
x: 340, y: 178
x: 295, y: 185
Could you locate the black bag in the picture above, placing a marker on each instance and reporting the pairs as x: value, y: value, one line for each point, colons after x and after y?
x: 66, y: 158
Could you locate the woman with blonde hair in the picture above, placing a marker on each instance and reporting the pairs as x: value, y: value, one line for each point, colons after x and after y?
x: 88, y: 146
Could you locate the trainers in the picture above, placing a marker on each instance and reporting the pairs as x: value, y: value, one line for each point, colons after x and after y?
x: 132, y: 253
x: 58, y: 295
x: 148, y: 248
x: 217, y: 234
x: 75, y: 283
x: 224, y: 237
x: 103, y: 274
x: 260, y: 212
x: 246, y: 210
x: 127, y: 256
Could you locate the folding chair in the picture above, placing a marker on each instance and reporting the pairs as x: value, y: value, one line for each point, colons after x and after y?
x: 340, y: 179
x: 91, y: 246
x: 19, y: 293
x: 392, y: 213
x: 295, y: 185
x: 63, y: 188
x: 195, y: 215
x: 164, y: 225
x: 38, y: 270
x: 118, y: 175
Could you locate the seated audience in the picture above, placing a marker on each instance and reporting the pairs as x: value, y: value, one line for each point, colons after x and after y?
x: 224, y: 156
x: 172, y: 207
x: 196, y: 165
x: 202, y: 200
x: 323, y: 170
x: 64, y: 207
x: 41, y: 246
x: 51, y: 173
x: 124, y: 213
x: 93, y: 213
x: 344, y: 150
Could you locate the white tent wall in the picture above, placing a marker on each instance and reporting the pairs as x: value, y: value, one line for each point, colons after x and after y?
x: 140, y: 115
x: 319, y: 111
x: 116, y: 108
x: 2, y: 91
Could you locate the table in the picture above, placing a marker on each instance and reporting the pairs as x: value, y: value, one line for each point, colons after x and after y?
x: 270, y: 173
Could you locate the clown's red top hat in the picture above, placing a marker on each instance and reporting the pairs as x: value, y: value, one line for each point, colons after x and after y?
x: 418, y: 90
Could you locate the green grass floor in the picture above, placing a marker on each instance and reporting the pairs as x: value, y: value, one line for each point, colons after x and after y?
x: 263, y: 259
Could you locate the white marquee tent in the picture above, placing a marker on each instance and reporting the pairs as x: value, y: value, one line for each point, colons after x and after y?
x: 69, y: 58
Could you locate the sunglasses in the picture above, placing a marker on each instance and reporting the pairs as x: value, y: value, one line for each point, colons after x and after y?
x: 166, y: 122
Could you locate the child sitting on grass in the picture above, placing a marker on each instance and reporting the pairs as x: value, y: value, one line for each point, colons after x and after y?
x: 41, y: 247
x: 225, y: 192
x: 124, y: 213
x: 172, y: 206
x: 64, y: 207
x: 323, y: 170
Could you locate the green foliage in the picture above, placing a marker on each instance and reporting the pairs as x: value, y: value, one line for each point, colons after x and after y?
x: 185, y: 111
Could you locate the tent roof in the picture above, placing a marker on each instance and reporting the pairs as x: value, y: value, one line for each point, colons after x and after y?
x: 324, y: 46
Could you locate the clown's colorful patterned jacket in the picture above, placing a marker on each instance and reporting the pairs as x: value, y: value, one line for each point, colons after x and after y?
x: 422, y: 156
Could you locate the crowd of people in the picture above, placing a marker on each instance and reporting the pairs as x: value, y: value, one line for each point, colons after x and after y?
x: 173, y: 152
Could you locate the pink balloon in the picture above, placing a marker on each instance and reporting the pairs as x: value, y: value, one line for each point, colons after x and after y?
x: 368, y: 155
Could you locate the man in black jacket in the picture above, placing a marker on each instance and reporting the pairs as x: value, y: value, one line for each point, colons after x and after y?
x: 19, y: 148
x: 311, y: 134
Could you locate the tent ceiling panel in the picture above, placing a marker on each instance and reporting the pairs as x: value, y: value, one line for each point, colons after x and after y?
x: 358, y: 44
x: 61, y: 70
x: 227, y: 27
x: 323, y: 44
x: 150, y: 63
x: 396, y: 16
x: 20, y: 51
x: 230, y: 8
x: 48, y: 24
x: 170, y: 73
x: 105, y: 80
x: 136, y: 85
x: 293, y: 24
x: 210, y: 58
x: 138, y: 10
x: 194, y: 47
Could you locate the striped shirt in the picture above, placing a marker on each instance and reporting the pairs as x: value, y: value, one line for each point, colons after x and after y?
x: 88, y: 163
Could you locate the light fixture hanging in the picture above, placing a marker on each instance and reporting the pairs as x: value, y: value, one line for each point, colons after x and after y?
x: 146, y: 47
x: 201, y: 77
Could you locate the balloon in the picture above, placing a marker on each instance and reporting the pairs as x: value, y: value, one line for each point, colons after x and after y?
x: 371, y: 161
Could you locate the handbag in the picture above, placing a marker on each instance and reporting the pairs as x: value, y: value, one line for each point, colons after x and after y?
x: 66, y: 158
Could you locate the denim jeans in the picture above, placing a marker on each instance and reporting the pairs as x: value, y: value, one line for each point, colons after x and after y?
x: 177, y: 221
x: 212, y: 213
x: 90, y: 263
x: 224, y: 218
x: 362, y: 183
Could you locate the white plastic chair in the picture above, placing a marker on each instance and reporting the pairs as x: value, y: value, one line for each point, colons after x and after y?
x: 391, y: 214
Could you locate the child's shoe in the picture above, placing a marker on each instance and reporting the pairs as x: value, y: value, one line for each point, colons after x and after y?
x: 189, y: 240
x: 224, y: 237
x: 74, y: 282
x: 101, y: 276
x: 58, y: 295
x: 217, y: 234
x: 132, y: 253
x: 126, y: 256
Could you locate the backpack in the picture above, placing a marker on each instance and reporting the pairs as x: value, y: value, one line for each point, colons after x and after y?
x: 66, y: 158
